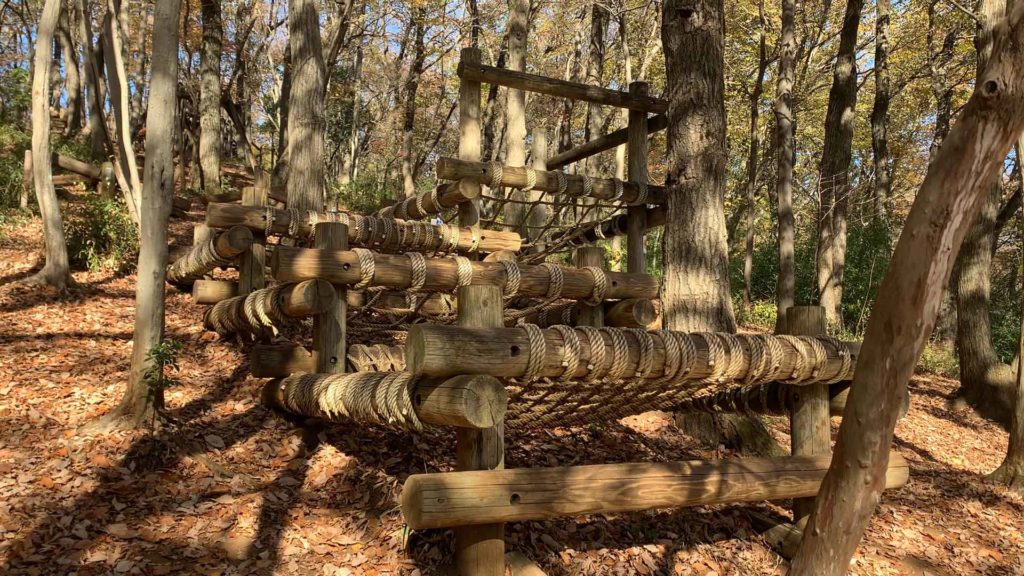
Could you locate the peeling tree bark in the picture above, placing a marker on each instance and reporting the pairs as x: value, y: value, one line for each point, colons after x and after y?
x: 952, y: 194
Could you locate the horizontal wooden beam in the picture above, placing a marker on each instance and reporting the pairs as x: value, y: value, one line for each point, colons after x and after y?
x: 443, y: 196
x: 437, y: 350
x: 294, y: 300
x: 547, y: 181
x: 384, y: 234
x: 630, y: 313
x: 482, y: 497
x: 342, y: 267
x: 592, y: 232
x: 213, y: 291
x: 70, y: 164
x: 199, y: 261
x: 287, y: 358
x: 560, y: 88
x: 602, y: 143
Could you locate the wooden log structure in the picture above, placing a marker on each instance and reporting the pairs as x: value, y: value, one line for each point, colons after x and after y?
x: 342, y: 267
x: 637, y: 153
x: 295, y: 299
x: 603, y: 143
x: 434, y: 304
x: 547, y: 181
x: 437, y: 350
x: 631, y: 313
x: 407, y: 235
x: 213, y: 291
x: 83, y: 169
x: 591, y: 232
x: 561, y: 88
x: 475, y: 402
x: 199, y: 261
x: 252, y: 263
x: 443, y: 196
x: 523, y: 494
x: 285, y: 359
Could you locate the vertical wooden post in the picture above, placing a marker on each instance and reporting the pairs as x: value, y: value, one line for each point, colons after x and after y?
x: 810, y: 426
x: 636, y: 219
x: 26, y: 180
x: 539, y: 214
x: 589, y: 315
x: 251, y: 272
x: 480, y: 550
x: 469, y: 134
x: 329, y: 328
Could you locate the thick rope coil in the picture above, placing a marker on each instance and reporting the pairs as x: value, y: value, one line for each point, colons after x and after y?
x: 620, y: 354
x: 600, y: 285
x: 563, y: 182
x: 641, y: 197
x: 366, y: 268
x: 268, y: 220
x: 734, y: 349
x: 595, y: 368
x: 556, y: 280
x: 293, y: 222
x: 474, y: 238
x: 588, y: 186
x: 418, y: 265
x: 314, y: 219
x: 773, y: 349
x: 846, y: 360
x: 645, y: 364
x: 464, y: 272
x: 820, y: 356
x: 537, y: 352
x: 687, y: 352
x: 531, y: 180
x: 497, y: 172
x: 802, y: 366
x: 369, y: 397
x: 717, y: 359
x: 619, y: 188
x: 513, y: 278
x: 673, y: 356
x: 758, y: 359
x: 435, y: 200
x: 570, y: 351
x: 421, y: 210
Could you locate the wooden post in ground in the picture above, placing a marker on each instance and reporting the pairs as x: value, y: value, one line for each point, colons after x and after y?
x: 329, y: 328
x: 480, y: 550
x: 810, y: 431
x: 252, y: 263
x: 636, y: 216
x: 590, y: 315
x: 469, y: 134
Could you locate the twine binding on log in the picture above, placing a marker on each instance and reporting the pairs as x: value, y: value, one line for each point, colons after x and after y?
x: 366, y: 397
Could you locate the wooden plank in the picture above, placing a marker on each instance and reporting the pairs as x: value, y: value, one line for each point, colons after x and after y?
x: 252, y: 264
x: 603, y: 143
x: 560, y: 88
x: 459, y: 498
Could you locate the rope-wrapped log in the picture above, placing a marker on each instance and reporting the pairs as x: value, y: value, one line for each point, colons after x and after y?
x: 550, y: 181
x: 263, y: 312
x: 280, y: 360
x: 631, y: 313
x: 385, y: 234
x: 346, y: 267
x: 396, y: 399
x: 205, y: 256
x: 441, y: 197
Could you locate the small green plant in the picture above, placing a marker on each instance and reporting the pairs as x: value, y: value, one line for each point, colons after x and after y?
x: 762, y: 314
x: 162, y: 358
x: 939, y: 358
x: 101, y: 236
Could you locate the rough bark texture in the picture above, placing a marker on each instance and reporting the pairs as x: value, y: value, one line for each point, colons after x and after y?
x: 412, y: 82
x: 515, y: 107
x: 139, y: 400
x: 696, y: 281
x: 786, y: 136
x: 755, y: 144
x: 956, y: 187
x: 209, y: 98
x: 306, y: 109
x: 985, y: 382
x: 880, y: 109
x: 55, y: 271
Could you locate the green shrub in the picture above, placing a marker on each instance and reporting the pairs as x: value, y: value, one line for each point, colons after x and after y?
x: 762, y: 313
x: 939, y: 358
x: 101, y: 235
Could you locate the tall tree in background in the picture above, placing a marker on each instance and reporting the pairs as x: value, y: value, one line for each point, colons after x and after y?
x: 306, y: 183
x: 880, y: 110
x: 786, y: 135
x: 958, y: 184
x: 515, y: 107
x: 125, y: 165
x: 55, y: 271
x: 412, y: 82
x: 755, y: 145
x: 141, y: 398
x: 836, y: 155
x: 599, y: 17
x: 209, y: 98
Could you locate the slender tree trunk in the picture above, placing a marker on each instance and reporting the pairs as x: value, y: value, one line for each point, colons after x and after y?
x: 351, y: 163
x: 412, y: 83
x: 279, y: 177
x: 306, y: 186
x: 209, y: 98
x: 599, y: 17
x: 942, y: 91
x: 73, y: 82
x: 572, y: 73
x: 125, y: 165
x: 880, y: 110
x: 99, y: 139
x: 755, y: 146
x: 956, y: 187
x: 785, y: 124
x: 474, y: 23
x: 55, y: 271
x: 515, y: 106
x: 836, y: 155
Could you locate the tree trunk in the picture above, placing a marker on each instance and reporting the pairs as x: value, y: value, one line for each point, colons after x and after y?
x: 279, y: 176
x: 73, y: 82
x: 985, y: 382
x: 755, y: 144
x: 140, y: 399
x: 880, y: 110
x: 99, y: 138
x: 938, y: 59
x: 55, y: 272
x: 785, y: 287
x: 953, y: 192
x: 209, y: 99
x: 696, y: 267
x: 599, y: 17
x: 515, y: 106
x: 836, y: 155
x: 124, y: 165
x: 306, y: 109
x: 412, y: 82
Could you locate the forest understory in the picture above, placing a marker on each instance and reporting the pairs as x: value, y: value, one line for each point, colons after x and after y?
x: 231, y: 488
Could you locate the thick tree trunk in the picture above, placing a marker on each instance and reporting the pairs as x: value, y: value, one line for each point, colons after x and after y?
x: 956, y: 187
x: 785, y: 125
x: 140, y: 400
x: 880, y: 110
x: 836, y: 155
x: 209, y: 99
x: 755, y: 145
x: 306, y: 109
x: 412, y: 82
x: 985, y: 382
x: 55, y: 271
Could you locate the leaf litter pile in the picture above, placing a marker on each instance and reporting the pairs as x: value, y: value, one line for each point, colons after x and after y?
x: 232, y: 488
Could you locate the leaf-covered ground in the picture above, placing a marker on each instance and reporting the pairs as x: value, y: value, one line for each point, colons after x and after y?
x: 234, y: 489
